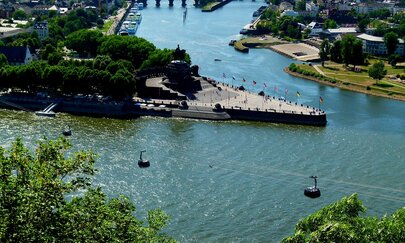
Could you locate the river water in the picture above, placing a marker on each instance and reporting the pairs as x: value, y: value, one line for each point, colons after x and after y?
x: 237, y: 181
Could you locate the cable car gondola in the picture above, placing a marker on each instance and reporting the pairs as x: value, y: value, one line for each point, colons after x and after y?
x: 312, y: 191
x: 143, y: 163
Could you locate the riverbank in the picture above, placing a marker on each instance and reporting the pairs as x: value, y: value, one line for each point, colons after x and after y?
x: 214, y: 6
x: 215, y: 101
x: 346, y: 86
x: 263, y: 41
x: 297, y: 51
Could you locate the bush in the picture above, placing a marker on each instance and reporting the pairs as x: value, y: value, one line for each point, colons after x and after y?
x: 384, y: 85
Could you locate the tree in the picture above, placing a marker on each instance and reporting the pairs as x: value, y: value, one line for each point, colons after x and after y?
x: 131, y: 48
x: 55, y: 57
x: 391, y: 42
x: 324, y: 51
x: 46, y: 51
x: 3, y: 60
x: 363, y: 24
x: 358, y: 57
x: 19, y: 15
x: 158, y: 58
x: 301, y: 5
x: 377, y: 71
x: 34, y: 206
x: 393, y: 59
x: 352, y: 50
x: 329, y: 24
x: 341, y: 222
x: 336, y: 51
x: 85, y: 42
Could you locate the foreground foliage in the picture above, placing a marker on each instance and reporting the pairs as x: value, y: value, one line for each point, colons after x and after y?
x: 340, y: 222
x: 34, y: 204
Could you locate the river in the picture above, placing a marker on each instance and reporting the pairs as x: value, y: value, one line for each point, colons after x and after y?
x: 237, y: 181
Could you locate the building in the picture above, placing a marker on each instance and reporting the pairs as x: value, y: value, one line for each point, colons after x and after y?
x: 333, y: 34
x: 6, y: 10
x: 16, y: 55
x: 315, y: 28
x: 285, y: 6
x: 42, y: 29
x: 41, y: 10
x: 311, y: 9
x: 290, y: 13
x: 375, y: 45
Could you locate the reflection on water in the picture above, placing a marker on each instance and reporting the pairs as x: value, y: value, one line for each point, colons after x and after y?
x: 237, y: 181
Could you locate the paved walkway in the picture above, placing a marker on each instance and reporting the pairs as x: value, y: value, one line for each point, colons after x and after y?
x: 116, y: 20
x: 319, y: 70
x: 299, y: 51
x: 233, y: 98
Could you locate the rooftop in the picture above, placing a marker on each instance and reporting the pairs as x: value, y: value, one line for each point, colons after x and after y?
x: 375, y: 38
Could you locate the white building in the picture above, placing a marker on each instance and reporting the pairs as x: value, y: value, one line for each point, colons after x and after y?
x: 311, y: 7
x: 290, y: 13
x: 335, y: 33
x: 315, y: 28
x: 375, y: 45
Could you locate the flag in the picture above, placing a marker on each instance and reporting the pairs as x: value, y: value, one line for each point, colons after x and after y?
x: 254, y: 82
x: 298, y: 94
x: 320, y: 99
x: 265, y: 85
x: 233, y: 77
x: 243, y: 80
x: 286, y: 91
x: 223, y: 75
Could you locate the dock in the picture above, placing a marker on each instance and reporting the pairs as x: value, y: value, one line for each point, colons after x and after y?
x: 177, y: 91
x: 220, y: 101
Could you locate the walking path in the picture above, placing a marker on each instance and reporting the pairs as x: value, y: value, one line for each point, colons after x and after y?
x: 319, y: 70
x: 116, y: 20
x: 232, y: 98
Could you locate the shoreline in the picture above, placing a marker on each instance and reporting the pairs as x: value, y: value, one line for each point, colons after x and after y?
x: 240, y: 105
x: 340, y: 85
x: 280, y: 46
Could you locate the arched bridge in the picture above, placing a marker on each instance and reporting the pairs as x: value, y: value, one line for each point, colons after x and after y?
x: 171, y: 2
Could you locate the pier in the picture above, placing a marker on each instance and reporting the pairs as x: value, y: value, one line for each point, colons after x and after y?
x: 220, y: 101
x: 177, y: 90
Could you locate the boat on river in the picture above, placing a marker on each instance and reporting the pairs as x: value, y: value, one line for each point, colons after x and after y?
x: 131, y: 23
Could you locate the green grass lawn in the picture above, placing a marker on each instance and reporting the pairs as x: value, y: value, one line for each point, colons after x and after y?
x: 209, y: 6
x: 107, y: 25
x: 346, y: 76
